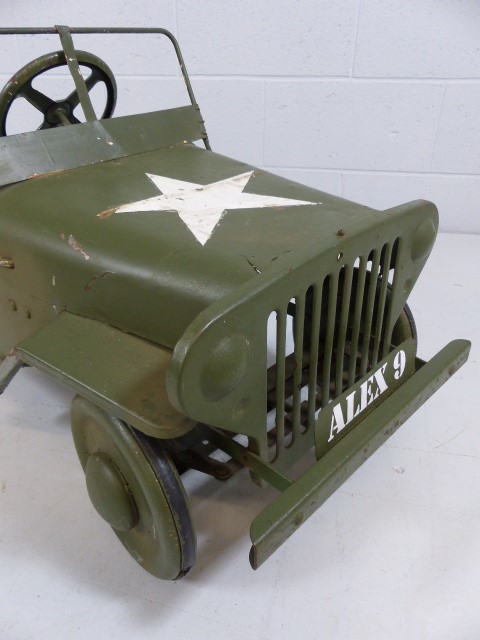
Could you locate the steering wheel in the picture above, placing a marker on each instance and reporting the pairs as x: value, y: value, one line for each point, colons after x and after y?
x: 56, y: 112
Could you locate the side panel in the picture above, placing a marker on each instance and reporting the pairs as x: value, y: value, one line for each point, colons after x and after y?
x: 120, y: 373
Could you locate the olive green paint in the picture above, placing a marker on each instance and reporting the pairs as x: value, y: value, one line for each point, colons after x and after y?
x: 284, y: 515
x: 120, y: 372
x: 165, y: 338
x: 135, y: 496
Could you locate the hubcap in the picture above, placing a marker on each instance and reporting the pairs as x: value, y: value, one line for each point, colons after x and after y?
x: 109, y: 492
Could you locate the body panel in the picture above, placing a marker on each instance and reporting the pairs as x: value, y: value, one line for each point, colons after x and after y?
x: 145, y: 272
x: 121, y: 373
x: 244, y: 313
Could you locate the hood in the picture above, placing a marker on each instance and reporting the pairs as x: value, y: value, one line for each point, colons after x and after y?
x: 147, y: 241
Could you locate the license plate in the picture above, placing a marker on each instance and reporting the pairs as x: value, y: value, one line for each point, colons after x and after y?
x: 342, y: 414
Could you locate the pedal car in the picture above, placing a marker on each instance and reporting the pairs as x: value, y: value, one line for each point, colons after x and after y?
x: 196, y: 304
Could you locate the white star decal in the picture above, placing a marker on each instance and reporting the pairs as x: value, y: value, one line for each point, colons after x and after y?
x: 200, y: 206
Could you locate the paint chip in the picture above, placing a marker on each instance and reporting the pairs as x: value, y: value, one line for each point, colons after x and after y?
x: 76, y: 246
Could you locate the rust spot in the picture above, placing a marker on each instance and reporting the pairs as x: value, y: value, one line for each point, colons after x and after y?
x: 106, y: 214
x: 13, y: 305
x: 451, y: 370
x: 298, y: 520
x: 28, y: 314
x: 340, y: 233
x: 40, y: 176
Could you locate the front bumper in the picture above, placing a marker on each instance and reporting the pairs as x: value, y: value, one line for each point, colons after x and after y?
x: 281, y: 518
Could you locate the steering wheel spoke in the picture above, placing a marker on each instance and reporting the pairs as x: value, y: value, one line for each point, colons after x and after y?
x: 36, y: 98
x: 56, y: 112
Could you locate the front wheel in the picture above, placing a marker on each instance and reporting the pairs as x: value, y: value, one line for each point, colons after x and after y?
x: 134, y: 485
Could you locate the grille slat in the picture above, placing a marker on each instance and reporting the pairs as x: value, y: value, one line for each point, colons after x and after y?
x: 280, y: 411
x: 314, y: 349
x: 342, y: 331
x: 298, y: 355
x: 390, y: 321
x: 327, y: 361
x: 357, y: 318
x: 368, y: 313
x: 327, y: 336
x: 387, y: 254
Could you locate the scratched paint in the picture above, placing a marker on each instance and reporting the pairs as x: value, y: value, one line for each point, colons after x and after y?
x: 93, y: 280
x: 201, y: 207
x: 76, y: 246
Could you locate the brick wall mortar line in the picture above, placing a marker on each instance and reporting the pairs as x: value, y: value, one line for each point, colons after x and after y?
x: 357, y: 23
x: 426, y: 174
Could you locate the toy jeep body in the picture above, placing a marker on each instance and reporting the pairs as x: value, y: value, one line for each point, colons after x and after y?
x: 196, y: 305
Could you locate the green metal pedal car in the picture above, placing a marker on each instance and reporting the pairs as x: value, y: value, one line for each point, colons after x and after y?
x: 196, y: 305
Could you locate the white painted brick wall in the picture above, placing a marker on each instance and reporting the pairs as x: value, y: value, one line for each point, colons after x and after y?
x: 377, y: 101
x: 380, y: 126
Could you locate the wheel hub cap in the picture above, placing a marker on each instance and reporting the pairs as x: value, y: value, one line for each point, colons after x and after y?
x: 109, y: 492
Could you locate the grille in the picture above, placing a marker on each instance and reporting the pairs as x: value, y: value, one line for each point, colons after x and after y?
x: 326, y: 338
